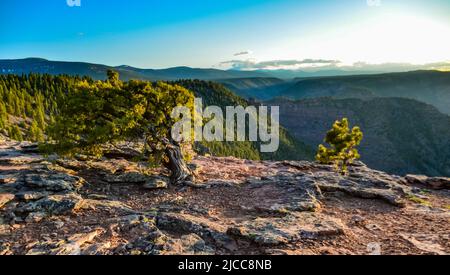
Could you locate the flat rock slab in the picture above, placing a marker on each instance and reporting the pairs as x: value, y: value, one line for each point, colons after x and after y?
x: 291, y: 228
x: 363, y: 182
x: 281, y: 193
x: 73, y: 245
x: 428, y: 243
x: 51, y: 181
x: 187, y: 224
x: 54, y: 204
x: 437, y: 183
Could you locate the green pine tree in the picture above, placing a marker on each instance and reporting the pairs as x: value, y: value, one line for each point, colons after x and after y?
x: 15, y: 133
x: 342, y: 151
x: 35, y: 133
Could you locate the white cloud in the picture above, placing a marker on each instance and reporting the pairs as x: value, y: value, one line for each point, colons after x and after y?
x: 325, y: 64
x: 243, y: 53
x: 250, y: 64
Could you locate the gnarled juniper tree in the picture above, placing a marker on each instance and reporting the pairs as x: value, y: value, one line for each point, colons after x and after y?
x: 107, y: 112
x: 342, y: 151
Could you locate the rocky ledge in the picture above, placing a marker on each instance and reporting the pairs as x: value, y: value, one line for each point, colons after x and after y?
x: 85, y: 206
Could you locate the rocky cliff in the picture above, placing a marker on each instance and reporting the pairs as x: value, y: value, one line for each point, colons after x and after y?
x: 88, y: 206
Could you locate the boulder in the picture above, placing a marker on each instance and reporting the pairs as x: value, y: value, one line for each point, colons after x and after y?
x: 56, y: 182
x: 54, y: 204
x: 131, y: 177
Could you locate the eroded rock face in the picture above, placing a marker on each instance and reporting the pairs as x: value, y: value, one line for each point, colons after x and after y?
x: 437, y: 183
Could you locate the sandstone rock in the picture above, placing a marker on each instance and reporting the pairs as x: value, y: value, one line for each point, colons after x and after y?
x: 56, y: 182
x: 8, y: 178
x: 190, y: 244
x: 58, y: 224
x: 5, y: 198
x: 31, y: 195
x: 98, y: 197
x: 132, y: 177
x: 97, y: 249
x: 203, y: 227
x: 153, y: 244
x: 5, y: 249
x: 107, y: 205
x: 426, y: 242
x: 35, y: 217
x: 136, y: 221
x: 70, y: 246
x: 357, y: 220
x: 434, y: 183
x: 5, y: 229
x: 363, y: 183
x: 54, y: 204
x: 193, y: 242
x: 156, y: 183
x: 72, y: 164
x: 17, y: 158
x: 287, y: 193
x: 288, y: 229
x: 82, y: 238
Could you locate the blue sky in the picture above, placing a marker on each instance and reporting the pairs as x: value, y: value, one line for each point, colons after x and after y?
x: 210, y: 33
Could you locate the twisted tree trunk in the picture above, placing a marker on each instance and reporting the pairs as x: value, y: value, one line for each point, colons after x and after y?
x: 181, y: 174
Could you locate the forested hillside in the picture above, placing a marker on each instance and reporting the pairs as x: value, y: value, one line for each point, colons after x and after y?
x: 29, y: 103
x: 216, y: 94
x: 401, y: 136
x: 258, y: 87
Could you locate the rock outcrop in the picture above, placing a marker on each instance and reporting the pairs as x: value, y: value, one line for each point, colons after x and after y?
x: 91, y: 207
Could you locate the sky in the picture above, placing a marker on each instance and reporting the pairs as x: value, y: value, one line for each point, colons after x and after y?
x: 238, y: 34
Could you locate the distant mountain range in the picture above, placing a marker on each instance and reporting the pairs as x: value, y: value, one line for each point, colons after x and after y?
x: 432, y: 87
x: 97, y: 71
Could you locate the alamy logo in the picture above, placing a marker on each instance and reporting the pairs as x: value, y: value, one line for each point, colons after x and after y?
x: 241, y: 124
x: 73, y: 3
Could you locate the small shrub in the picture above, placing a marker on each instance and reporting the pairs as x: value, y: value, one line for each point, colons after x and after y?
x: 342, y: 146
